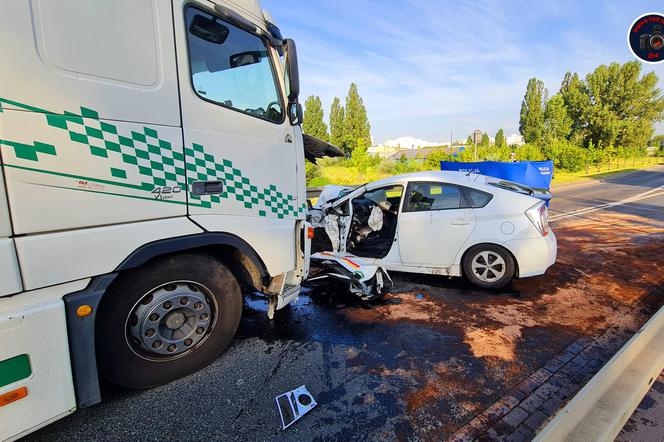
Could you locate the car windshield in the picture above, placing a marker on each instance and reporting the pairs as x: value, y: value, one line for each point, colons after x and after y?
x: 344, y: 192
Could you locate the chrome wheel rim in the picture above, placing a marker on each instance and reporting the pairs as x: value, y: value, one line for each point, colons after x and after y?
x: 488, y: 266
x: 171, y: 320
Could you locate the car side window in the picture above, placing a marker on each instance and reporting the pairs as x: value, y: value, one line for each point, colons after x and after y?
x: 434, y: 196
x: 477, y: 198
x: 231, y: 67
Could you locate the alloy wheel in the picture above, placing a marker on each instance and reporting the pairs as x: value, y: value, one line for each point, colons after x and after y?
x: 488, y: 266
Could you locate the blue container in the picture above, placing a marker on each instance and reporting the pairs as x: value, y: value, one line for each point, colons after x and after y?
x: 535, y: 174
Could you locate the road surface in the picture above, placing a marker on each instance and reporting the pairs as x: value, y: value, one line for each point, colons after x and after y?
x: 438, y: 359
x: 642, y: 194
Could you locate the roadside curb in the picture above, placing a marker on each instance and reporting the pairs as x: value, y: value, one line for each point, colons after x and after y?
x: 526, y: 408
x: 604, y: 405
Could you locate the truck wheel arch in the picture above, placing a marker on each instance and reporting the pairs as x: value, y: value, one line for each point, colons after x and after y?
x: 237, y: 254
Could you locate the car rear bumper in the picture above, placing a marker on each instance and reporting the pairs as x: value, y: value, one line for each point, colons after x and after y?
x: 534, y: 256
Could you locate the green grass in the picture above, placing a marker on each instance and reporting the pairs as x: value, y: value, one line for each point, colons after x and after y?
x: 331, y: 173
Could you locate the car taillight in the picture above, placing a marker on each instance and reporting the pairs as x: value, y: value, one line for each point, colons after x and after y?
x: 544, y: 218
x: 539, y: 216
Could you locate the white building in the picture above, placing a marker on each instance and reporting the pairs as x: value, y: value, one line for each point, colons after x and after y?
x: 409, y: 142
x: 382, y: 151
x: 515, y: 139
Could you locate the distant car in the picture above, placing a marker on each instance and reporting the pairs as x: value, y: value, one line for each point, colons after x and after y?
x: 440, y: 222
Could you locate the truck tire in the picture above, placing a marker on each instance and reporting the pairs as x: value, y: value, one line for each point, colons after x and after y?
x: 489, y: 266
x: 166, y: 320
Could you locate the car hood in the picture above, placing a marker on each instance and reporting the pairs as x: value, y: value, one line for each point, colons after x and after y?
x: 331, y: 193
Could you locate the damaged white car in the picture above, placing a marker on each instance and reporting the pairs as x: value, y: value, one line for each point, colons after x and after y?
x: 445, y: 223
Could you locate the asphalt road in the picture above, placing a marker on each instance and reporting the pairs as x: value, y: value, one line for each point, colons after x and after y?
x: 647, y: 183
x: 364, y: 373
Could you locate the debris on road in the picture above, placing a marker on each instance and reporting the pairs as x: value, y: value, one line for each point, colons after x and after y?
x: 365, y: 280
x: 293, y: 405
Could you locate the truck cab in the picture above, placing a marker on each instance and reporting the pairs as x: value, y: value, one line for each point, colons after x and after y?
x: 152, y: 171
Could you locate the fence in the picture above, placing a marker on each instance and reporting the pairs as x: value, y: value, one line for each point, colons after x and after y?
x: 621, y: 163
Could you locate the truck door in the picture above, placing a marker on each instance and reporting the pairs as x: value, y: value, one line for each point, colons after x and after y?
x: 11, y: 276
x: 241, y: 157
x: 434, y: 224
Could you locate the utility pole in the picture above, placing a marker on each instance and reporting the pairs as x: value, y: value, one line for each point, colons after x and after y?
x: 477, y: 139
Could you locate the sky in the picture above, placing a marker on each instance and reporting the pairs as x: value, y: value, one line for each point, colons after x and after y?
x: 425, y: 68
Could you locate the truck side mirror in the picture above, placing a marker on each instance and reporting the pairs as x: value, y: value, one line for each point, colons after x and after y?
x: 245, y: 58
x: 295, y: 113
x: 292, y: 73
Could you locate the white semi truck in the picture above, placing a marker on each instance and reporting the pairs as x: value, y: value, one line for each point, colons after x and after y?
x: 152, y: 168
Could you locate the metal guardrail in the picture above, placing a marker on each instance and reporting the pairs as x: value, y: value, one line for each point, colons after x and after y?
x: 603, y: 406
x: 313, y: 192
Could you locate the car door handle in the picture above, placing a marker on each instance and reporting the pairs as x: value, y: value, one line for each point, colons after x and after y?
x: 207, y: 187
x: 459, y: 222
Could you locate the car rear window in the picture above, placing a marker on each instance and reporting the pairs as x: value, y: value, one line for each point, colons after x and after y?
x: 476, y: 198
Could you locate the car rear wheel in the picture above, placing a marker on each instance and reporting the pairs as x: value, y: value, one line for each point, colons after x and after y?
x: 166, y: 320
x: 488, y: 266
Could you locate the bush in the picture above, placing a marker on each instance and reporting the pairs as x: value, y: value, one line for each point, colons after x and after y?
x: 529, y: 152
x: 318, y: 181
x: 566, y: 155
x: 363, y: 160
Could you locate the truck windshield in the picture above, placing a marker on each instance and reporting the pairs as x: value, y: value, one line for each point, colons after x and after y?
x: 236, y: 72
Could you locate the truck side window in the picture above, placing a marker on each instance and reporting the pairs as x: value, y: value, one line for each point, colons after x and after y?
x: 434, y: 196
x: 231, y: 67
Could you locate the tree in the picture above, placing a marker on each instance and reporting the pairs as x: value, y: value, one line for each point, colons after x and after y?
x: 624, y: 105
x: 337, y: 123
x: 469, y: 140
x: 613, y: 106
x: 486, y: 141
x: 500, y: 141
x: 557, y: 123
x: 313, y: 123
x: 657, y: 141
x: 531, y: 123
x: 574, y: 94
x: 357, y: 131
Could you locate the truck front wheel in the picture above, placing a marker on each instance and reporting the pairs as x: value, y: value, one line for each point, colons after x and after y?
x: 166, y: 320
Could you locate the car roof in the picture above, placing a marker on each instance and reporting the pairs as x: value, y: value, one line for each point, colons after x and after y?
x: 430, y: 175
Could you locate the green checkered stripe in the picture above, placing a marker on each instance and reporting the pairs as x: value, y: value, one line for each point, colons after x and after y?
x: 158, y: 164
x: 201, y: 166
x: 154, y: 158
